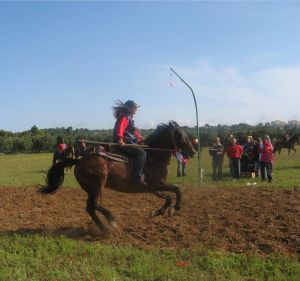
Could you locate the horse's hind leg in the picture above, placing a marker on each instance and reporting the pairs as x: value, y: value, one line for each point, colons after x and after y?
x: 165, y: 207
x: 91, y: 205
x: 95, y: 201
x: 108, y: 215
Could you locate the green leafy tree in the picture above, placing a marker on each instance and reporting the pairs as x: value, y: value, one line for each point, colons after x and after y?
x: 6, y: 145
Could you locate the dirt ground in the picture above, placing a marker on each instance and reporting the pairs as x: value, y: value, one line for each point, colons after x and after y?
x: 249, y: 220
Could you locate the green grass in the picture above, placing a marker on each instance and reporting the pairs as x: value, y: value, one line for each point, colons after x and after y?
x: 35, y: 257
x: 286, y: 173
x: 26, y: 257
x: 30, y: 169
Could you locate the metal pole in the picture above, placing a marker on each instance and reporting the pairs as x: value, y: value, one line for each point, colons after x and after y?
x: 198, y: 137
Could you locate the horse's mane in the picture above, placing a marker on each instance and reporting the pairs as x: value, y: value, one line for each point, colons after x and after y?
x: 160, y: 130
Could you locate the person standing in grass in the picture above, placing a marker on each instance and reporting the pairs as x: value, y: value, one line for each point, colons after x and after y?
x: 181, y: 163
x: 266, y: 161
x: 60, y: 148
x: 216, y: 151
x: 257, y: 155
x: 234, y: 152
x: 182, y: 158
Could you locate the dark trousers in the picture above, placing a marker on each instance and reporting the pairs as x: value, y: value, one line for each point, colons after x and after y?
x: 236, y: 167
x: 266, y: 166
x: 217, y: 163
x: 139, y: 158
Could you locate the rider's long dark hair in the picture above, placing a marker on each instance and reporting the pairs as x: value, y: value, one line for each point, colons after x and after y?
x: 119, y: 109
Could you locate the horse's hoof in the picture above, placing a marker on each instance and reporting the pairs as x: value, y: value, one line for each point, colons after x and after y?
x: 178, y: 207
x: 153, y: 214
x: 105, y: 234
x: 113, y: 224
x: 171, y: 211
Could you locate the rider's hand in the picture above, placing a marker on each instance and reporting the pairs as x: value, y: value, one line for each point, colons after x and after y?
x: 121, y: 142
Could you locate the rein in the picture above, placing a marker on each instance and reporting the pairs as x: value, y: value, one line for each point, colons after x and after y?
x: 134, y: 145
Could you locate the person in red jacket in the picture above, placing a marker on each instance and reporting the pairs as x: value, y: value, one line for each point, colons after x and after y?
x: 266, y: 160
x: 60, y: 148
x: 234, y: 152
x: 125, y: 132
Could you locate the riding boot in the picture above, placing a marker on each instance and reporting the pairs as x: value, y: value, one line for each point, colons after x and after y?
x: 140, y: 183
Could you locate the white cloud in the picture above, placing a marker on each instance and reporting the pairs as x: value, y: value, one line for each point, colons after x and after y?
x: 227, y: 94
x: 257, y: 96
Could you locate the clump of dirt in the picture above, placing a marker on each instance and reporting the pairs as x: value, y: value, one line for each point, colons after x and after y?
x: 248, y: 220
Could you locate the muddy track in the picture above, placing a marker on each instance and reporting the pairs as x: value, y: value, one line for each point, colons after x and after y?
x: 236, y: 220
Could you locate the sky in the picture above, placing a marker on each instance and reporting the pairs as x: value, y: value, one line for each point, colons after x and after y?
x: 66, y: 63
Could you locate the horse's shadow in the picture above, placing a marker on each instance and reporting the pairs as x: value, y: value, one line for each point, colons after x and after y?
x: 80, y: 233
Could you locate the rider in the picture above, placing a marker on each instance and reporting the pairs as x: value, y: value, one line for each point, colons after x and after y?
x: 125, y: 132
x: 82, y: 148
x: 286, y: 137
x: 60, y: 148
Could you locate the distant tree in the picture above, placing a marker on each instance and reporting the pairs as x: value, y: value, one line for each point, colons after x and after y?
x: 22, y: 144
x: 6, y: 145
x: 34, y: 130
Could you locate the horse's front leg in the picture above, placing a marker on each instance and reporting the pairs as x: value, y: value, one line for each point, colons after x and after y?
x: 165, y: 207
x: 176, y: 190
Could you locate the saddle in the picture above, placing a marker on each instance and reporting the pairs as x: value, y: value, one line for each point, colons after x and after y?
x: 114, y: 155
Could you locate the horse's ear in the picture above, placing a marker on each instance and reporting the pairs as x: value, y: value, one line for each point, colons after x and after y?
x: 173, y: 124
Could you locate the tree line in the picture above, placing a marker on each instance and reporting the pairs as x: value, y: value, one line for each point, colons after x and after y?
x: 43, y: 140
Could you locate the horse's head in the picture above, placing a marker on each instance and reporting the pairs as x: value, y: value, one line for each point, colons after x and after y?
x: 184, y: 142
x: 171, y: 136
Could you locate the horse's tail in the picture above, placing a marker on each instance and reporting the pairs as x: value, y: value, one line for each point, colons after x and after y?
x: 56, y: 175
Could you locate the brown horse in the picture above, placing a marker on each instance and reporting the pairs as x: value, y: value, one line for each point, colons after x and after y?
x: 94, y: 172
x: 288, y: 144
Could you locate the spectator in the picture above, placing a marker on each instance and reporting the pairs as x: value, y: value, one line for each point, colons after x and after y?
x: 266, y: 161
x: 248, y: 148
x: 234, y: 152
x: 181, y: 164
x: 217, y: 153
x: 182, y: 159
x: 257, y: 155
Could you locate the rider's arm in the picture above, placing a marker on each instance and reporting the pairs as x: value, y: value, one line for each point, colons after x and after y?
x: 138, y: 135
x: 121, y: 127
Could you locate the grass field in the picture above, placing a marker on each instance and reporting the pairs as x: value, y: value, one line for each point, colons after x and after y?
x: 37, y: 257
x: 30, y: 169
